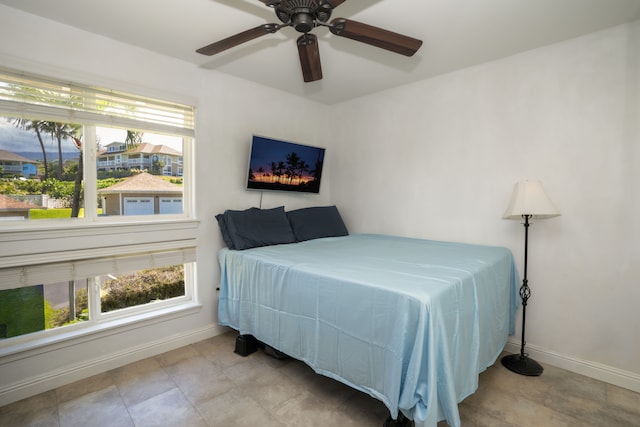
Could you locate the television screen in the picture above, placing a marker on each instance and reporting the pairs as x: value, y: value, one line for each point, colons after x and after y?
x: 284, y: 166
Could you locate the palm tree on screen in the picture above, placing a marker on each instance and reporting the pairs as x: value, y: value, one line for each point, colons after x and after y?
x: 280, y: 169
x: 302, y: 168
x: 293, y: 160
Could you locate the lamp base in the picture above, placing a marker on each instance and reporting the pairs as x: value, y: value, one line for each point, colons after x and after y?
x: 522, y: 365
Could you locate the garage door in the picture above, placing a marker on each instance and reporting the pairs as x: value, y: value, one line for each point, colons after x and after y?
x: 138, y: 206
x: 171, y: 205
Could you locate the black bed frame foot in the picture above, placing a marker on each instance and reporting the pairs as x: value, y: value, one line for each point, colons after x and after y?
x: 402, y: 421
x: 245, y: 345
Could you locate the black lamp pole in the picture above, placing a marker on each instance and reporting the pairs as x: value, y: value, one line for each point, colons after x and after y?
x: 521, y: 363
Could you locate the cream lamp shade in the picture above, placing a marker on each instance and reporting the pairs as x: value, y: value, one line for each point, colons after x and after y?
x: 529, y: 199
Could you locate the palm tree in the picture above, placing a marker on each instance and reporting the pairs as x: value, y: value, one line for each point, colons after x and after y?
x: 77, y: 187
x: 75, y: 211
x: 60, y: 131
x: 292, y: 165
x: 316, y: 175
x: 317, y: 172
x: 36, y: 126
x: 133, y: 139
x: 302, y: 168
x: 278, y: 170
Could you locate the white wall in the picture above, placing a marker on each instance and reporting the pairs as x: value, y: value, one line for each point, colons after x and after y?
x: 229, y: 111
x: 438, y: 159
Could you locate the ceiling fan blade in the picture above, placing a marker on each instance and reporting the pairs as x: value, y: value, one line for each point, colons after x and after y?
x: 238, y: 39
x: 375, y: 36
x: 309, y: 57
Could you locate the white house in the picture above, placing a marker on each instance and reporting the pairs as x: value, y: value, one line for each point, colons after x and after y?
x: 432, y: 159
x: 144, y: 156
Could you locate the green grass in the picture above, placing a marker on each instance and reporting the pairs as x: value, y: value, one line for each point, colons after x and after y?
x: 56, y: 213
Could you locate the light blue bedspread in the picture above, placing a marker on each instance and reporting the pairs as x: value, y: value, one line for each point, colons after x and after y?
x: 410, y: 322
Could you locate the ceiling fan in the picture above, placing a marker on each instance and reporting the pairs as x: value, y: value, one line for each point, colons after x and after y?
x: 304, y: 16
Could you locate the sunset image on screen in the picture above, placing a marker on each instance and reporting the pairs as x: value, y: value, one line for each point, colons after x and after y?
x: 285, y: 166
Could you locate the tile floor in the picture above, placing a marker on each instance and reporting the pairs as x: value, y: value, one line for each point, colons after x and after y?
x: 206, y: 384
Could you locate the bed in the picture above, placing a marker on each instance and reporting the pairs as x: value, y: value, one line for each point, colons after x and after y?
x: 411, y: 322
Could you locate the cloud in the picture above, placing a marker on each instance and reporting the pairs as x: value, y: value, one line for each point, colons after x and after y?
x: 22, y: 141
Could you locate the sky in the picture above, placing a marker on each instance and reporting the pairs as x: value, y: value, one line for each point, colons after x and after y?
x: 109, y: 135
x: 23, y: 141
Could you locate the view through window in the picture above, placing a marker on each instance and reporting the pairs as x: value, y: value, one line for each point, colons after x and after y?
x: 139, y: 173
x: 50, y: 305
x: 36, y: 308
x: 75, y: 154
x: 41, y: 167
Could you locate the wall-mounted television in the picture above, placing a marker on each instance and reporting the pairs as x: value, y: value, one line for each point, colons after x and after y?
x: 284, y: 166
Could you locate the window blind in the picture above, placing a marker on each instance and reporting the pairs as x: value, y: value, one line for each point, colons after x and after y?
x: 17, y: 277
x: 39, y: 98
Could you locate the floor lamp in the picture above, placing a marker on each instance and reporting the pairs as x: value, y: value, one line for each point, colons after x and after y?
x: 528, y: 201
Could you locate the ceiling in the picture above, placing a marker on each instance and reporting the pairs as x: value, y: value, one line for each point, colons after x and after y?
x: 456, y: 34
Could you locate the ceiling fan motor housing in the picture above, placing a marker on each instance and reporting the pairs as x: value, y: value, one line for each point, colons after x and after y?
x: 303, y: 14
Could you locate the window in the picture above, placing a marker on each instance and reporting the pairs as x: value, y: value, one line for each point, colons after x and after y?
x: 49, y: 130
x: 80, y: 294
x: 122, y: 291
x: 95, y: 197
x: 36, y: 308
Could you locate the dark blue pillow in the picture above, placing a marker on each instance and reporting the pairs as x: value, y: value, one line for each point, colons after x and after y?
x: 316, y: 222
x: 222, y: 223
x: 255, y: 227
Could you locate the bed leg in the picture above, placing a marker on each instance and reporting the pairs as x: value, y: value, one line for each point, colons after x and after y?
x: 402, y: 421
x: 245, y: 345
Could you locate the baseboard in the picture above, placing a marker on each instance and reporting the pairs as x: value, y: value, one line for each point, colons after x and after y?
x: 30, y: 387
x: 608, y: 374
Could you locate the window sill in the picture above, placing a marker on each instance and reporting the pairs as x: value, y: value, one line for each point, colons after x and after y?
x: 81, y: 333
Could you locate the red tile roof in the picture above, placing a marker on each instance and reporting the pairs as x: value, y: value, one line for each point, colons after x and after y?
x: 7, y: 202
